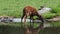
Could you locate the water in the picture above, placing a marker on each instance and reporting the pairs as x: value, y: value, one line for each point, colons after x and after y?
x: 17, y: 30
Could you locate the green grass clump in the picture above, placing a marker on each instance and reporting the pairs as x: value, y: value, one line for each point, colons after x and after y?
x: 15, y: 7
x: 49, y: 15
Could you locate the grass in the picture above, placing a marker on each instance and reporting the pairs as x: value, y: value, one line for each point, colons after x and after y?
x: 55, y: 24
x: 15, y: 7
x: 11, y: 24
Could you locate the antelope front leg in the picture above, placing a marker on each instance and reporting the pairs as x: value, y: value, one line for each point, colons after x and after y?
x: 30, y: 21
x: 25, y: 20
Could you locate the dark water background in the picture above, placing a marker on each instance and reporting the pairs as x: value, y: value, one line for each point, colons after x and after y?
x: 17, y: 30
